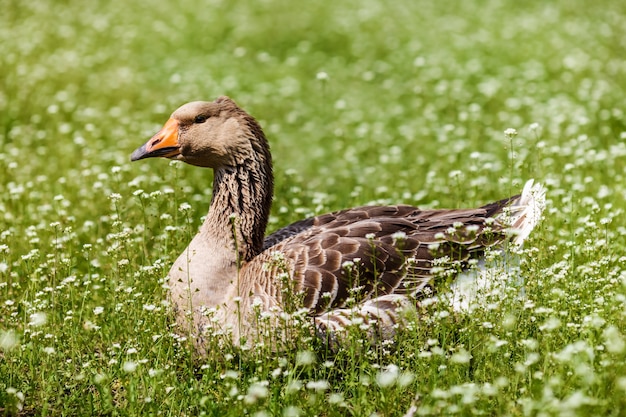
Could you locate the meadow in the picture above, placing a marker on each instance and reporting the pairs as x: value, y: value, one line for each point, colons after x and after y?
x: 362, y: 101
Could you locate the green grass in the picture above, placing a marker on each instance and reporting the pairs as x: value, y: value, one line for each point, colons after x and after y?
x: 413, y: 109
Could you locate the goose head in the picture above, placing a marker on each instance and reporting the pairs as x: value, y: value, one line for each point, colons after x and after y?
x: 212, y: 134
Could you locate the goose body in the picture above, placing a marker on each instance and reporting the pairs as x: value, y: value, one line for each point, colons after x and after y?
x: 379, y: 258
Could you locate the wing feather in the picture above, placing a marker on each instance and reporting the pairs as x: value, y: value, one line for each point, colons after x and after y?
x: 370, y: 251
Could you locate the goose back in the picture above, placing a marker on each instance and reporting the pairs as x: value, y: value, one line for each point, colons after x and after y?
x: 366, y: 252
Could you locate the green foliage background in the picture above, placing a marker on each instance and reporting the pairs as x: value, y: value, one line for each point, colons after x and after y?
x: 362, y: 101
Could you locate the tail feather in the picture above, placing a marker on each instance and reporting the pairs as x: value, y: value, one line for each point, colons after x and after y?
x: 521, y: 213
x: 524, y: 211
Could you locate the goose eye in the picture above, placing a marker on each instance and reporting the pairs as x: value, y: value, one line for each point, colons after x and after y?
x: 200, y: 119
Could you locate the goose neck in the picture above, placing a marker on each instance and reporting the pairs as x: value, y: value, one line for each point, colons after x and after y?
x: 240, y: 207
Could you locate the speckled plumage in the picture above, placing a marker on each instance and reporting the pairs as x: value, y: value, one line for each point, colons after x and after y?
x: 377, y: 258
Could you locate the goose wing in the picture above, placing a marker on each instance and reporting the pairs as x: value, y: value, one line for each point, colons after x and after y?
x: 365, y: 252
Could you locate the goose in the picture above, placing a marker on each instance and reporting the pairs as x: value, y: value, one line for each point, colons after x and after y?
x: 372, y: 261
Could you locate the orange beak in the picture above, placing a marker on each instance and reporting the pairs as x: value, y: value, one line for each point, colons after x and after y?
x: 164, y: 143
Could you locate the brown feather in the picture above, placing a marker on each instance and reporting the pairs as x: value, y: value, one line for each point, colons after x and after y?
x: 333, y: 239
